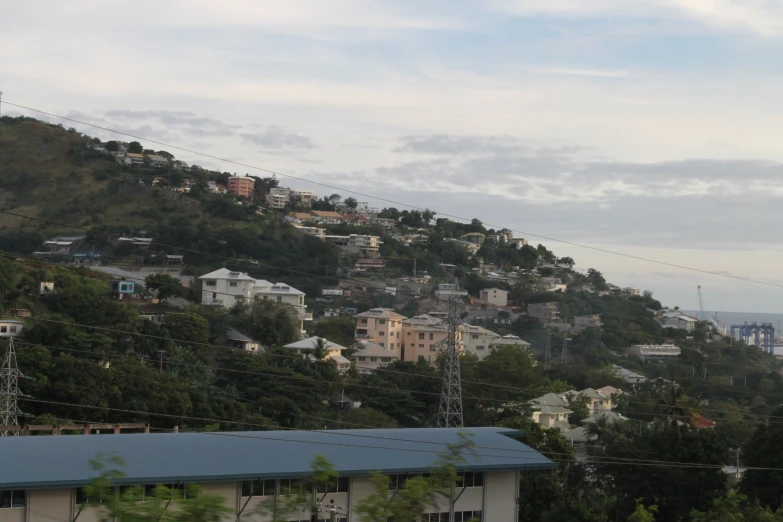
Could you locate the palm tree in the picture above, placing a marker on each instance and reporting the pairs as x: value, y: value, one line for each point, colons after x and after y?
x: 677, y: 413
x: 319, y: 350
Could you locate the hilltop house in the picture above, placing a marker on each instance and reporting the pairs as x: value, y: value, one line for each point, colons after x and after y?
x: 10, y: 327
x: 423, y: 337
x: 382, y: 326
x: 226, y: 288
x: 156, y: 162
x: 654, y: 351
x: 241, y: 341
x: 478, y: 340
x: 494, y: 296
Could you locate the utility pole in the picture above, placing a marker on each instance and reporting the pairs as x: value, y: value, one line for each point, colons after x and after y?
x: 9, y: 391
x: 548, y: 352
x: 450, y: 414
x: 160, y: 363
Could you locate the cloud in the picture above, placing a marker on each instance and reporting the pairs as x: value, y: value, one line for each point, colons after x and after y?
x: 278, y: 139
x: 448, y: 144
x: 758, y: 16
x: 187, y: 123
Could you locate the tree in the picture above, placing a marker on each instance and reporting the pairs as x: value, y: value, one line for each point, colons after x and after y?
x: 643, y: 514
x: 597, y: 279
x: 165, y: 286
x: 131, y: 504
x: 306, y: 495
x: 112, y: 146
x: 165, y: 154
x: 763, y: 451
x: 135, y: 147
x: 351, y: 203
x: 736, y: 507
x: 339, y: 330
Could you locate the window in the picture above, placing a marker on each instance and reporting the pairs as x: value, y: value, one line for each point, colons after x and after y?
x: 279, y: 299
x: 373, y: 359
x: 13, y: 329
x: 409, y: 334
x: 12, y: 498
x: 432, y: 347
x: 421, y: 346
x: 341, y: 485
x: 233, y: 284
x: 421, y: 336
x: 381, y: 321
x: 432, y: 336
x: 362, y: 321
x: 479, y: 347
x: 381, y: 345
x: 258, y: 487
x: 210, y: 282
x: 362, y: 359
x: 475, y: 336
x: 290, y: 486
x: 398, y: 335
x: 381, y: 334
x: 470, y: 479
x: 3, y: 329
x: 386, y: 359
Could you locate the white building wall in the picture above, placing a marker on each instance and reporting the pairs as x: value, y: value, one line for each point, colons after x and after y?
x: 52, y: 505
x: 502, y: 489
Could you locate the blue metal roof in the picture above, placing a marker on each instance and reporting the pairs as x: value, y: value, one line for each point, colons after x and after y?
x: 63, y: 461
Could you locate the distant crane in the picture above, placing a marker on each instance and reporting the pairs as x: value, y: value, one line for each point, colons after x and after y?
x: 701, y: 304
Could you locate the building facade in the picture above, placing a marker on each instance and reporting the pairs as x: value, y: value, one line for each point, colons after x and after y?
x: 241, y: 186
x: 382, y: 326
x: 43, y: 478
x: 494, y: 296
x: 654, y: 351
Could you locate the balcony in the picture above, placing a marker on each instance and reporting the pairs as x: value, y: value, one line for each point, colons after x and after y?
x: 363, y: 336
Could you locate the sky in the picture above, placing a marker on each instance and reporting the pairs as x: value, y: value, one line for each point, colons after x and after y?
x: 645, y: 127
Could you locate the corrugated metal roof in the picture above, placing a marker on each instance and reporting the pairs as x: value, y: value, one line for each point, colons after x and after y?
x: 64, y: 461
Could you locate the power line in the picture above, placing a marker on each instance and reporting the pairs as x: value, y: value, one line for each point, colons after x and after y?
x: 333, y: 187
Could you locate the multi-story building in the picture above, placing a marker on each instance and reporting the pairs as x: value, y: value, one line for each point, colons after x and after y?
x: 226, y: 288
x: 320, y: 233
x: 478, y: 340
x: 587, y: 321
x: 45, y: 478
x: 494, y: 296
x: 241, y: 186
x: 382, y: 326
x: 654, y: 351
x: 367, y: 245
x: 424, y: 336
x: 546, y: 311
x: 278, y: 198
x: 303, y: 197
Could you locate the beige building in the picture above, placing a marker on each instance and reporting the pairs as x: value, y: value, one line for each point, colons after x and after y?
x: 423, y: 337
x: 372, y: 356
x: 43, y: 478
x: 332, y: 351
x: 382, y: 326
x: 546, y: 311
x: 494, y: 296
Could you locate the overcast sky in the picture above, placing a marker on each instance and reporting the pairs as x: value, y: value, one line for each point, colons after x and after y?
x: 649, y: 127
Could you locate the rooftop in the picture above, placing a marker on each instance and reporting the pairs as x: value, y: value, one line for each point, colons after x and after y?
x: 381, y: 313
x: 327, y: 214
x: 30, y: 462
x: 371, y: 349
x: 225, y: 273
x: 310, y: 342
x: 235, y: 335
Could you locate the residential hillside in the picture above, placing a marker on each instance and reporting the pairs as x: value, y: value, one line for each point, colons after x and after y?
x: 141, y: 289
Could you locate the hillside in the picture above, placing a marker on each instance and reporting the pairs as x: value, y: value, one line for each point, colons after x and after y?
x: 52, y: 173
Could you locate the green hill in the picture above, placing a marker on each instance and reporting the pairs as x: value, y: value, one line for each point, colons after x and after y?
x: 54, y: 174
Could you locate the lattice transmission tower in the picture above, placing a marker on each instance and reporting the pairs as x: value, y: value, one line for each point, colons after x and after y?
x: 9, y: 390
x: 450, y: 414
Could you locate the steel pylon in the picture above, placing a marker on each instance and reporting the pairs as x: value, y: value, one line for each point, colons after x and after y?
x: 450, y: 413
x: 9, y: 390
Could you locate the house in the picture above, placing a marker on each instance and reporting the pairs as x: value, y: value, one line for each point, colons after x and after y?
x: 610, y: 417
x: 45, y: 287
x: 597, y: 400
x: 133, y: 160
x: 156, y: 161
x: 285, y: 294
x: 477, y: 340
x: 356, y: 219
x: 252, y: 470
x: 226, y: 288
x: 546, y: 311
x: 121, y: 288
x: 297, y: 218
x: 10, y: 327
x: 386, y: 223
x: 371, y: 356
x: 333, y: 351
x: 278, y: 198
x: 631, y: 291
x: 320, y: 233
x: 509, y: 340
x: 158, y: 180
x: 181, y: 165
x: 628, y: 376
x: 240, y: 341
x: 370, y: 264
x: 364, y: 244
x: 494, y: 296
x: 550, y: 411
x: 332, y: 312
x: 446, y: 291
x: 473, y: 237
x: 303, y: 197
x: 679, y: 321
x: 472, y: 248
x: 241, y: 186
x: 582, y: 322
x: 609, y: 391
x: 341, y: 401
x: 654, y: 351
x: 423, y: 336
x: 153, y: 317
x: 327, y: 217
x: 518, y: 242
x: 382, y: 326
x: 413, y: 239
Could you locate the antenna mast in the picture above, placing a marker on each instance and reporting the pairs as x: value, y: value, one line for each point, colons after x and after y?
x: 9, y: 391
x: 450, y: 414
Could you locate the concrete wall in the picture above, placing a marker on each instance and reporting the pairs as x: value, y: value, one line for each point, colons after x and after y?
x: 497, y: 500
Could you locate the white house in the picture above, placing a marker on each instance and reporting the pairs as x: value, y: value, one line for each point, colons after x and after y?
x: 282, y: 293
x: 494, y: 296
x: 680, y: 321
x: 509, y: 340
x: 10, y: 327
x: 156, y: 162
x: 478, y: 340
x: 226, y: 288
